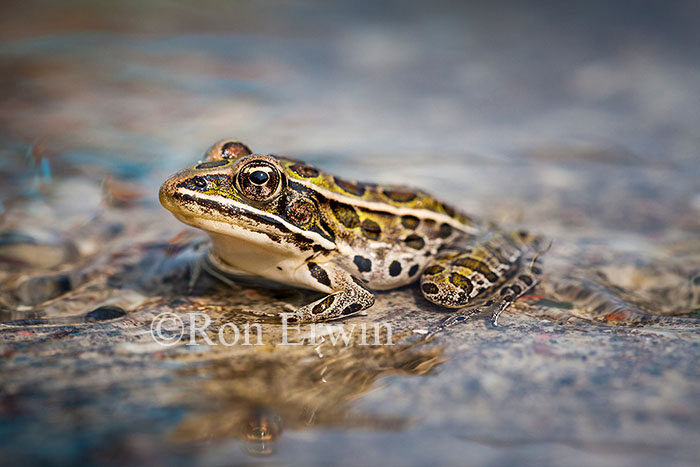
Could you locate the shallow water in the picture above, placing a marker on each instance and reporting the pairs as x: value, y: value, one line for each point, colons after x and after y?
x: 582, y: 129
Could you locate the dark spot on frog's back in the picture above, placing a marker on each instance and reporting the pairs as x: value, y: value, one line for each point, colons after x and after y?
x: 210, y: 164
x: 432, y: 270
x: 363, y: 264
x: 412, y: 272
x: 353, y: 188
x: 400, y: 195
x: 345, y: 214
x: 474, y: 264
x: 394, y: 268
x: 430, y: 288
x: 304, y: 170
x: 410, y: 222
x: 371, y: 229
x: 414, y: 241
x: 445, y: 230
x: 318, y: 273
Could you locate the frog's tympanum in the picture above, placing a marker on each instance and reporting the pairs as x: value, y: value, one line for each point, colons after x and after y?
x: 284, y: 220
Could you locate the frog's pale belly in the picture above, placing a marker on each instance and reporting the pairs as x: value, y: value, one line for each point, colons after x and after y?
x: 276, y: 264
x: 284, y: 220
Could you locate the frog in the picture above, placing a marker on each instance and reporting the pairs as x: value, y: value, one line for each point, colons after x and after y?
x: 289, y: 222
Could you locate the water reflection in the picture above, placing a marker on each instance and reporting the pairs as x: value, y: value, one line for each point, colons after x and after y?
x: 254, y: 396
x: 263, y: 429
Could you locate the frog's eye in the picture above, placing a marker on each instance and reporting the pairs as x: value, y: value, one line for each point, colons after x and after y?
x: 259, y: 180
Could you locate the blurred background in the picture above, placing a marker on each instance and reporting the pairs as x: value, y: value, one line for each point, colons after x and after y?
x: 444, y: 95
x: 147, y: 86
x: 576, y: 119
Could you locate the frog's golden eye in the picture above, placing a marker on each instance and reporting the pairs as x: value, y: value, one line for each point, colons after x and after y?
x: 259, y: 180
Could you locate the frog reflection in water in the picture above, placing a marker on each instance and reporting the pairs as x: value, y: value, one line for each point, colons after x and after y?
x: 256, y: 396
x: 281, y: 219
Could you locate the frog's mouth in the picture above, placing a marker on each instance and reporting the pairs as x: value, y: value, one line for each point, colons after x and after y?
x: 233, y: 218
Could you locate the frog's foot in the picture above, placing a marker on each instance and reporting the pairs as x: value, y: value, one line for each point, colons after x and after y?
x: 464, y: 314
x: 460, y: 279
x: 350, y: 296
x: 459, y: 316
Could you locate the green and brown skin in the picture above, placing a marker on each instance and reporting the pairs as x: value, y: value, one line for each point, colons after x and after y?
x: 284, y: 220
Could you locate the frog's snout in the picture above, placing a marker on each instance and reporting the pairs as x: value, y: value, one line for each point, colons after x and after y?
x: 165, y: 194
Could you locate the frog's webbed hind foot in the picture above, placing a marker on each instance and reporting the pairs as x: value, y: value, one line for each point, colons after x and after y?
x: 350, y: 296
x: 459, y: 316
x: 492, y: 271
x: 498, y: 308
x: 464, y: 314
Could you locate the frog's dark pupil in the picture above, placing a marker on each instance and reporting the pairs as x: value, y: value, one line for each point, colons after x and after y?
x: 259, y: 177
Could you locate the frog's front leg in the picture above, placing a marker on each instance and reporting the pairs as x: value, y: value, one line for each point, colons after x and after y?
x: 348, y: 294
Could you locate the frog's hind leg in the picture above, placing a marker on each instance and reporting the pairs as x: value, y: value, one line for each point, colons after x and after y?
x: 490, y: 271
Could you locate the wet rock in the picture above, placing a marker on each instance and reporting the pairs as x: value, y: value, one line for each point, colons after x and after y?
x: 38, y: 289
x: 34, y: 249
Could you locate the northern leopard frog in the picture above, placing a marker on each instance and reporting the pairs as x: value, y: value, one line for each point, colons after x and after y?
x: 282, y: 219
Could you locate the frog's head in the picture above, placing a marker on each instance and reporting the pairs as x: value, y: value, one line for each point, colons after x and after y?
x: 238, y: 194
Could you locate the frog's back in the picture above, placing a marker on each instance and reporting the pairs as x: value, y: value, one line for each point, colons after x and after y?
x: 384, y: 234
x: 390, y: 234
